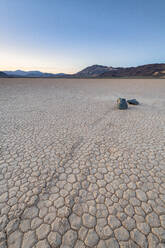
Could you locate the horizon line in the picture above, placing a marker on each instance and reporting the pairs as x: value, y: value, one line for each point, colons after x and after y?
x: 38, y: 70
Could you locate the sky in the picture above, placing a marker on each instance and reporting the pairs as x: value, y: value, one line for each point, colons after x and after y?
x: 68, y: 35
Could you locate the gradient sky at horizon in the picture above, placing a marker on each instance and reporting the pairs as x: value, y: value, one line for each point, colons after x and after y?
x: 66, y: 36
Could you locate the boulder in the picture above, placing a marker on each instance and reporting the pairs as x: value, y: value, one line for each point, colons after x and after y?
x: 122, y: 103
x: 133, y: 102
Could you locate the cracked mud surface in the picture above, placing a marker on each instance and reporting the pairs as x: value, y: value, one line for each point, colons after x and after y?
x: 77, y: 172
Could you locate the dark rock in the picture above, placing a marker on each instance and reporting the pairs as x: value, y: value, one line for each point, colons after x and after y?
x: 122, y: 103
x: 133, y: 102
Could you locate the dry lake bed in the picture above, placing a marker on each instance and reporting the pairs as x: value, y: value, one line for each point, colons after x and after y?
x: 77, y: 172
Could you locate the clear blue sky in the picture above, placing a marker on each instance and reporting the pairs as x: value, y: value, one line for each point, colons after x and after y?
x: 67, y: 35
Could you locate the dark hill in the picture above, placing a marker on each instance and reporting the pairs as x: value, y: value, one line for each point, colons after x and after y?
x: 93, y: 71
x: 151, y: 70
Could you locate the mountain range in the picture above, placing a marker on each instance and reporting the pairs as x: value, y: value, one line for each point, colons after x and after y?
x: 97, y: 71
x: 3, y: 75
x: 19, y: 73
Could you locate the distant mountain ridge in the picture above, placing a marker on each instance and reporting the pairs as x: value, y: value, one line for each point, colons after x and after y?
x: 23, y: 73
x: 99, y: 71
x: 3, y: 75
x: 150, y: 70
x: 20, y: 73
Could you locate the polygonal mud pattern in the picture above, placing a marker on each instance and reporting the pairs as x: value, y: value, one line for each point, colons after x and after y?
x: 76, y: 172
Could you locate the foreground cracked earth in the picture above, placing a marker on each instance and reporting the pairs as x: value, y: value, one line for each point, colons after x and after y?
x: 75, y: 171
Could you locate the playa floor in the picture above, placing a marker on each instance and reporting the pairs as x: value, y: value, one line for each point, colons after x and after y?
x: 77, y: 172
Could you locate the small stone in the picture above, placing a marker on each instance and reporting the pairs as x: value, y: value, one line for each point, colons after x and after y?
x: 69, y: 238
x: 141, y: 195
x: 88, y: 220
x: 121, y: 234
x: 75, y: 221
x: 133, y: 102
x: 42, y: 231
x: 54, y: 239
x: 91, y: 238
x: 122, y: 103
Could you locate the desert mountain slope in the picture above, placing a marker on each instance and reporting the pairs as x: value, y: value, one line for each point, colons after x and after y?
x: 93, y: 71
x: 151, y: 70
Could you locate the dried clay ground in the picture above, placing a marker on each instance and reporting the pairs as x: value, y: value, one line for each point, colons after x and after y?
x: 77, y: 172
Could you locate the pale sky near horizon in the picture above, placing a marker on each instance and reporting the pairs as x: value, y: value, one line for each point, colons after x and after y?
x: 66, y: 36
